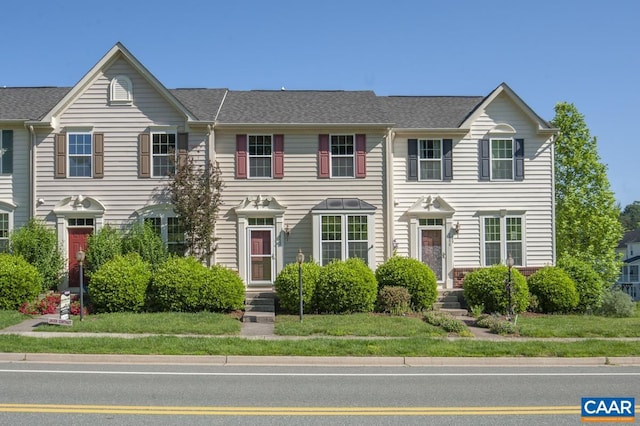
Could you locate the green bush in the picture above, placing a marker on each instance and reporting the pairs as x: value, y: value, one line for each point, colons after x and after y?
x: 223, y: 291
x: 588, y: 283
x: 554, y: 288
x: 145, y: 241
x: 487, y: 286
x: 38, y: 245
x: 176, y: 285
x: 413, y: 275
x: 503, y: 327
x: 346, y: 286
x: 120, y: 285
x: 287, y: 287
x: 19, y: 281
x: 102, y: 247
x: 444, y: 320
x: 617, y: 303
x: 394, y: 299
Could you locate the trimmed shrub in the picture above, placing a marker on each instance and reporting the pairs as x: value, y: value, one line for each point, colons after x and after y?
x: 346, y: 287
x: 102, y: 247
x: 120, y: 285
x: 554, y: 288
x: 446, y: 321
x: 288, y: 287
x: 413, y: 275
x: 588, y: 283
x: 617, y: 303
x: 19, y: 281
x: 176, y: 285
x: 223, y: 291
x: 144, y: 240
x: 487, y: 287
x: 38, y: 245
x: 394, y: 299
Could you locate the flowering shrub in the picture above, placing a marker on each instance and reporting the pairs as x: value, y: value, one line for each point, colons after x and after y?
x: 49, y: 304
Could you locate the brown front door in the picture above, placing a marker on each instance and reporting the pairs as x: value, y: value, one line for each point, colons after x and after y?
x: 77, y: 240
x: 260, y: 256
x: 431, y: 247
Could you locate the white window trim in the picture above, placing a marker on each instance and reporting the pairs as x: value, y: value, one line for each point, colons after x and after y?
x: 317, y: 233
x: 353, y: 156
x: 249, y: 157
x: 113, y: 98
x: 79, y: 132
x: 163, y: 131
x: 429, y: 160
x: 162, y: 211
x: 503, y: 238
x: 9, y: 212
x: 513, y: 158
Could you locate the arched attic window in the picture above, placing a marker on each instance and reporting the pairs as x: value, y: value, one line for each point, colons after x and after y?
x: 121, y: 90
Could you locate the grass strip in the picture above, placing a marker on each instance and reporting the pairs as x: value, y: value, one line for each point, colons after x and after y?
x: 430, y: 347
x: 9, y: 318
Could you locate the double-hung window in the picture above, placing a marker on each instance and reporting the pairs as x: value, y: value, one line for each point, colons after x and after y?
x: 343, y: 237
x: 80, y: 154
x: 4, y: 232
x: 342, y: 156
x: 502, y: 159
x: 430, y: 158
x: 260, y: 156
x: 164, y: 151
x: 6, y: 152
x: 503, y: 237
x: 169, y: 229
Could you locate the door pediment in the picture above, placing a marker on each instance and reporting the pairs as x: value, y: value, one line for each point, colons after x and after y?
x: 431, y: 206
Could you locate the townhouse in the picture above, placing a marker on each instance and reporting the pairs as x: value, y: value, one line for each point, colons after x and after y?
x: 457, y: 182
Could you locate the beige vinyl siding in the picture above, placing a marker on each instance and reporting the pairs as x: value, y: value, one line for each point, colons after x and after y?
x: 300, y: 190
x: 14, y: 187
x: 471, y: 198
x: 120, y: 190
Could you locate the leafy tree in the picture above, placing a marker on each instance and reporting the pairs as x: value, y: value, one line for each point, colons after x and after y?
x: 587, y: 225
x: 630, y: 216
x: 102, y: 247
x: 144, y: 240
x: 196, y: 197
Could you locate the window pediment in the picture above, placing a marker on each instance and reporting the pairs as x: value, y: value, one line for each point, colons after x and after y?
x: 431, y: 206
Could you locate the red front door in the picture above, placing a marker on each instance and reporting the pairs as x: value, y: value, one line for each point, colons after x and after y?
x: 77, y: 240
x: 260, y: 256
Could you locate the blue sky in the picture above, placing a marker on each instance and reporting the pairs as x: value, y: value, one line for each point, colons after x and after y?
x: 584, y: 52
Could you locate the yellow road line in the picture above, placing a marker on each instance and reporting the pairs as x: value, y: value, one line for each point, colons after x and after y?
x: 288, y: 411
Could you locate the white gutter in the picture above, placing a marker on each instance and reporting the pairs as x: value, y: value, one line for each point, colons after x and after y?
x: 32, y: 172
x: 388, y: 180
x: 553, y: 201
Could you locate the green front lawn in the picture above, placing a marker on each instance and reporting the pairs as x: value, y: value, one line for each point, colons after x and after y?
x: 355, y: 325
x: 578, y: 326
x: 9, y: 318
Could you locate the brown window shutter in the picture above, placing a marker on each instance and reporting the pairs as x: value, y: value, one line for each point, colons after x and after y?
x: 241, y: 156
x: 144, y: 154
x: 278, y: 156
x: 323, y: 156
x: 61, y: 155
x: 183, y: 149
x: 98, y: 155
x: 361, y: 156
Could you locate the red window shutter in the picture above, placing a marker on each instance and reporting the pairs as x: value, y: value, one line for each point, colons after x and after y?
x: 323, y: 156
x: 278, y: 156
x: 144, y: 154
x: 61, y: 155
x: 98, y: 155
x: 361, y: 156
x: 241, y: 156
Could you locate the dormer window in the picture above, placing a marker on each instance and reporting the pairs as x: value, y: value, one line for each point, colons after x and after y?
x: 121, y: 90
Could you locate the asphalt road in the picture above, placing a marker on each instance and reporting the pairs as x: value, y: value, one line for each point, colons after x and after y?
x: 121, y: 394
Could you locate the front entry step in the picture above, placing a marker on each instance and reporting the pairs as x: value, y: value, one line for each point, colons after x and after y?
x: 259, y: 307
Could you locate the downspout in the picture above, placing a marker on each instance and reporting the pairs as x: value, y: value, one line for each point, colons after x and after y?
x: 212, y: 159
x: 388, y: 177
x: 553, y: 201
x: 32, y: 172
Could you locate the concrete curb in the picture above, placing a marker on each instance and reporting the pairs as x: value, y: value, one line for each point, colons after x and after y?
x: 241, y: 360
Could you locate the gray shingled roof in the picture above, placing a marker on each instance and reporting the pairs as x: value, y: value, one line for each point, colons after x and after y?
x: 29, y: 103
x: 423, y: 112
x: 343, y: 204
x: 203, y: 103
x: 302, y: 107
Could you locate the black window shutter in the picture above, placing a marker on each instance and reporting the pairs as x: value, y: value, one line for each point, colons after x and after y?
x: 7, y: 155
x: 412, y: 160
x: 447, y: 157
x: 519, y: 159
x: 484, y: 163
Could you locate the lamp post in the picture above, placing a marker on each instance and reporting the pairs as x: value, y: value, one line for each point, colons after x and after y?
x: 80, y: 258
x: 509, y: 287
x: 300, y: 259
